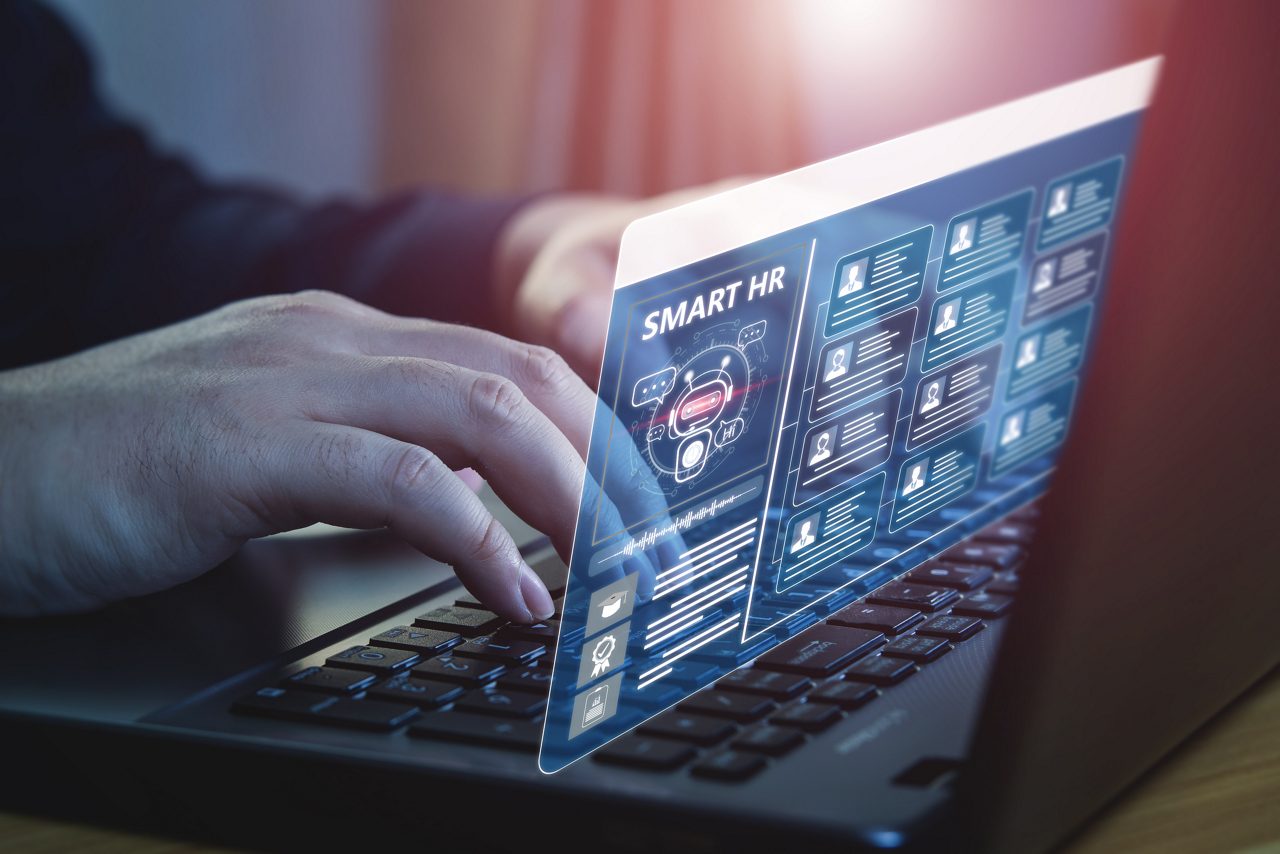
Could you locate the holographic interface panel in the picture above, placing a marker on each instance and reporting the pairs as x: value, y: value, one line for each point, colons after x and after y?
x: 815, y: 383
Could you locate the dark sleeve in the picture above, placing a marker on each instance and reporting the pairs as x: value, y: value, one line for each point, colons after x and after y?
x: 103, y: 237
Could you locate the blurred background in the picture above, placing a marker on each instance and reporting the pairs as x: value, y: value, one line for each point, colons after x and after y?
x: 633, y: 96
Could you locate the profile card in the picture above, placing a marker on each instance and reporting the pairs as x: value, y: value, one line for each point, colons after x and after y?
x: 830, y: 531
x: 1031, y: 429
x: 1080, y: 202
x: 877, y: 280
x: 954, y: 397
x: 931, y: 480
x: 1065, y: 277
x: 984, y: 239
x: 969, y: 320
x: 862, y: 363
x: 1049, y: 352
x: 837, y: 450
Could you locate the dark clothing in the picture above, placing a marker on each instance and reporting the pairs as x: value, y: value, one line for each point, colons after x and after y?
x: 101, y: 236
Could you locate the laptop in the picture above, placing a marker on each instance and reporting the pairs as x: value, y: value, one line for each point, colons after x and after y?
x: 1032, y: 654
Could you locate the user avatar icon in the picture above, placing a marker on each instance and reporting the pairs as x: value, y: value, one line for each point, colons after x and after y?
x: 821, y: 448
x: 962, y: 237
x: 915, y: 480
x: 932, y: 397
x: 836, y: 364
x: 1028, y: 352
x: 1012, y: 431
x: 947, y: 317
x: 1044, y: 278
x: 805, y: 536
x: 854, y: 278
x: 1058, y: 203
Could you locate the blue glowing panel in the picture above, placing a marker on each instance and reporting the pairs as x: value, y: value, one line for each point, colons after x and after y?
x: 1049, y: 352
x: 984, y: 239
x: 872, y: 282
x: 840, y: 449
x: 1064, y: 278
x: 855, y: 366
x: 1079, y: 202
x: 951, y: 399
x: 1028, y: 430
x: 970, y: 319
x: 932, y: 480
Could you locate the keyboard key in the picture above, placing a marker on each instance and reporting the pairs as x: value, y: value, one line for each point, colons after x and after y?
x: 918, y: 596
x: 810, y: 717
x: 917, y: 647
x: 881, y: 618
x: 425, y: 642
x: 373, y: 659
x: 820, y: 651
x: 1018, y: 533
x: 1027, y: 513
x: 503, y: 704
x: 509, y: 652
x: 729, y: 766
x: 695, y: 729
x: 367, y: 714
x: 479, y: 729
x: 331, y: 680
x: 764, y: 683
x: 543, y: 633
x: 471, y: 672
x: 769, y: 740
x: 278, y: 703
x: 742, y: 708
x: 652, y: 754
x: 983, y: 604
x: 995, y: 555
x: 468, y: 622
x: 418, y: 692
x: 954, y: 575
x: 880, y: 670
x: 952, y: 627
x: 1006, y: 584
x: 531, y: 680
x: 846, y: 695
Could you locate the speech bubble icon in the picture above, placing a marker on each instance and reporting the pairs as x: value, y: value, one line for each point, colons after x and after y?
x: 751, y: 334
x: 653, y: 387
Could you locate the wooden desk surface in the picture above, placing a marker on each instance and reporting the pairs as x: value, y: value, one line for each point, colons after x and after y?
x: 1219, y: 792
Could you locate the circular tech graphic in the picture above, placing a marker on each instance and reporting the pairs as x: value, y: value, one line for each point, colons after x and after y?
x: 701, y: 403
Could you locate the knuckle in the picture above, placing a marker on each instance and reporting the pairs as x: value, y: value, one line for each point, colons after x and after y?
x: 415, y: 471
x: 543, y: 367
x: 303, y: 304
x: 338, y: 456
x: 494, y: 399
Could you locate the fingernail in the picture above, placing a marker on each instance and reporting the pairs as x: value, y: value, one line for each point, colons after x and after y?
x: 536, y: 597
x: 473, y: 480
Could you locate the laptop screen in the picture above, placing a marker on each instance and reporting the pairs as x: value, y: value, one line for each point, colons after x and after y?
x: 817, y: 382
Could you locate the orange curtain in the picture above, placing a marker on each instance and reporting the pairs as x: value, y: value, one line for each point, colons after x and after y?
x: 642, y: 96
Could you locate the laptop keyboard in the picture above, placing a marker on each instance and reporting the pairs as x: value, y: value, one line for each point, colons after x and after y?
x: 461, y: 674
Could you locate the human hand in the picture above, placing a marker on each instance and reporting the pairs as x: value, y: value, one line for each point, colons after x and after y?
x: 556, y: 264
x: 140, y: 464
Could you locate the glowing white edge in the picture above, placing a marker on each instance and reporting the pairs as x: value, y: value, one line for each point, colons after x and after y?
x: 680, y: 236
